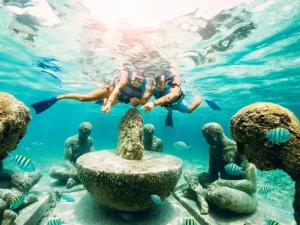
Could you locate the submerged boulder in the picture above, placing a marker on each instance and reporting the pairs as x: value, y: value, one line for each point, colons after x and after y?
x: 14, y: 120
x: 128, y: 184
x: 25, y: 181
x: 248, y: 129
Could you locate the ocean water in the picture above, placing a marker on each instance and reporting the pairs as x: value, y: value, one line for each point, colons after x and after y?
x: 237, y: 52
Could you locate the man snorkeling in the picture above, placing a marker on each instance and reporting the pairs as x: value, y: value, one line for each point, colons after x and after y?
x: 128, y: 85
x: 168, y: 94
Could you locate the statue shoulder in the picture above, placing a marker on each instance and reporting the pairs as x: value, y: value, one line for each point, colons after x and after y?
x: 91, y: 140
x: 158, y: 140
x: 72, y: 140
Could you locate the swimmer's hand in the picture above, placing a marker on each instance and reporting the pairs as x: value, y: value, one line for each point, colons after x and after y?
x: 105, y: 109
x: 134, y: 102
x: 148, y: 107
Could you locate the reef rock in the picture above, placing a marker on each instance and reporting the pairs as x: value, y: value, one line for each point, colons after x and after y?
x: 25, y: 181
x: 3, y: 206
x: 248, y: 128
x: 128, y: 184
x: 14, y: 120
x: 130, y: 144
x: 60, y: 173
x: 9, y: 217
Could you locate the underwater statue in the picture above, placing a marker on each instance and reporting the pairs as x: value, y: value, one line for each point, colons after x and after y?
x: 216, y: 187
x: 75, y: 147
x: 151, y: 142
x: 249, y: 128
x: 129, y: 179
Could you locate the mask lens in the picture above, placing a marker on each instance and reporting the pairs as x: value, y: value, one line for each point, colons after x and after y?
x: 137, y: 80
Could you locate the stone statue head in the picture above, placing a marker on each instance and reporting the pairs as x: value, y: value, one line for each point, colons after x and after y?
x: 213, y: 133
x: 148, y: 131
x: 84, y: 130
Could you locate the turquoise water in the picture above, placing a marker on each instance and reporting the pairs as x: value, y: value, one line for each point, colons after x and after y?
x: 237, y: 52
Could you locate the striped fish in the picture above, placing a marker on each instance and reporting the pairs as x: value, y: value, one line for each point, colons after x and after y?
x: 24, y: 163
x: 234, y: 169
x: 54, y: 222
x: 17, y: 201
x: 279, y: 135
x: 188, y: 221
x: 271, y: 222
x: 265, y: 190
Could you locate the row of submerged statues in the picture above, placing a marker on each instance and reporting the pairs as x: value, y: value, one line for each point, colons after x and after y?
x: 216, y: 187
x: 82, y: 143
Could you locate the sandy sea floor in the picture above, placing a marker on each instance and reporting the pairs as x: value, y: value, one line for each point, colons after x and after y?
x: 86, y: 211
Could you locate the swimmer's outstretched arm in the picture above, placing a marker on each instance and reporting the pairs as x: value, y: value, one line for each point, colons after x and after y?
x: 112, y: 97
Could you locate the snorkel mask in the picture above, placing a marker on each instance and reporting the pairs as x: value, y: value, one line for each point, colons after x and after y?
x: 137, y: 78
x: 159, y: 81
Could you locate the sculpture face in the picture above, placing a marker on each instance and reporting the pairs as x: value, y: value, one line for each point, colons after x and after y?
x: 148, y: 131
x: 84, y: 130
x: 213, y: 133
x: 211, y: 139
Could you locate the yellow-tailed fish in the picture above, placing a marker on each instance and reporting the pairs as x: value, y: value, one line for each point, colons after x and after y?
x: 24, y: 163
x: 234, y: 169
x: 271, y: 222
x: 278, y: 135
x: 265, y: 190
x: 55, y: 222
x: 17, y: 201
x: 187, y: 221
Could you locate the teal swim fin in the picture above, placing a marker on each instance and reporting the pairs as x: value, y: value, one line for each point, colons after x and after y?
x: 212, y: 105
x: 44, y: 105
x: 169, y: 120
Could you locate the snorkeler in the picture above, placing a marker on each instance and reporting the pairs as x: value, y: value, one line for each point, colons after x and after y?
x: 128, y: 85
x: 169, y: 95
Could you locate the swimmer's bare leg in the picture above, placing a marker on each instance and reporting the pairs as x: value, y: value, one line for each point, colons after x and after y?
x: 92, y: 96
x: 197, y: 101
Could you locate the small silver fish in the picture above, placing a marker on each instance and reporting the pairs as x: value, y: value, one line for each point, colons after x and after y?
x: 278, y: 135
x: 17, y: 201
x: 180, y: 145
x: 271, y: 222
x: 265, y: 190
x: 67, y: 197
x: 234, y: 169
x: 156, y: 199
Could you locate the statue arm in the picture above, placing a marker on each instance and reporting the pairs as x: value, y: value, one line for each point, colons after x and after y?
x: 91, y: 146
x: 68, y: 155
x: 213, y: 173
x: 247, y: 185
x: 160, y: 146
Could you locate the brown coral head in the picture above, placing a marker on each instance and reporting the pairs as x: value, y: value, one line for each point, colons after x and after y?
x: 248, y: 128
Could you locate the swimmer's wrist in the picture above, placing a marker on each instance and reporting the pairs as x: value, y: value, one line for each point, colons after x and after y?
x: 154, y: 103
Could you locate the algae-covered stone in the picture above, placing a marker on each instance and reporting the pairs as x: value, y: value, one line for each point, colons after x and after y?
x: 248, y: 128
x: 25, y: 181
x: 128, y: 184
x: 14, y: 119
x: 130, y: 144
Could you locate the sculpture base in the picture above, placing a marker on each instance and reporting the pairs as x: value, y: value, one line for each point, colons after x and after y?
x: 128, y: 184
